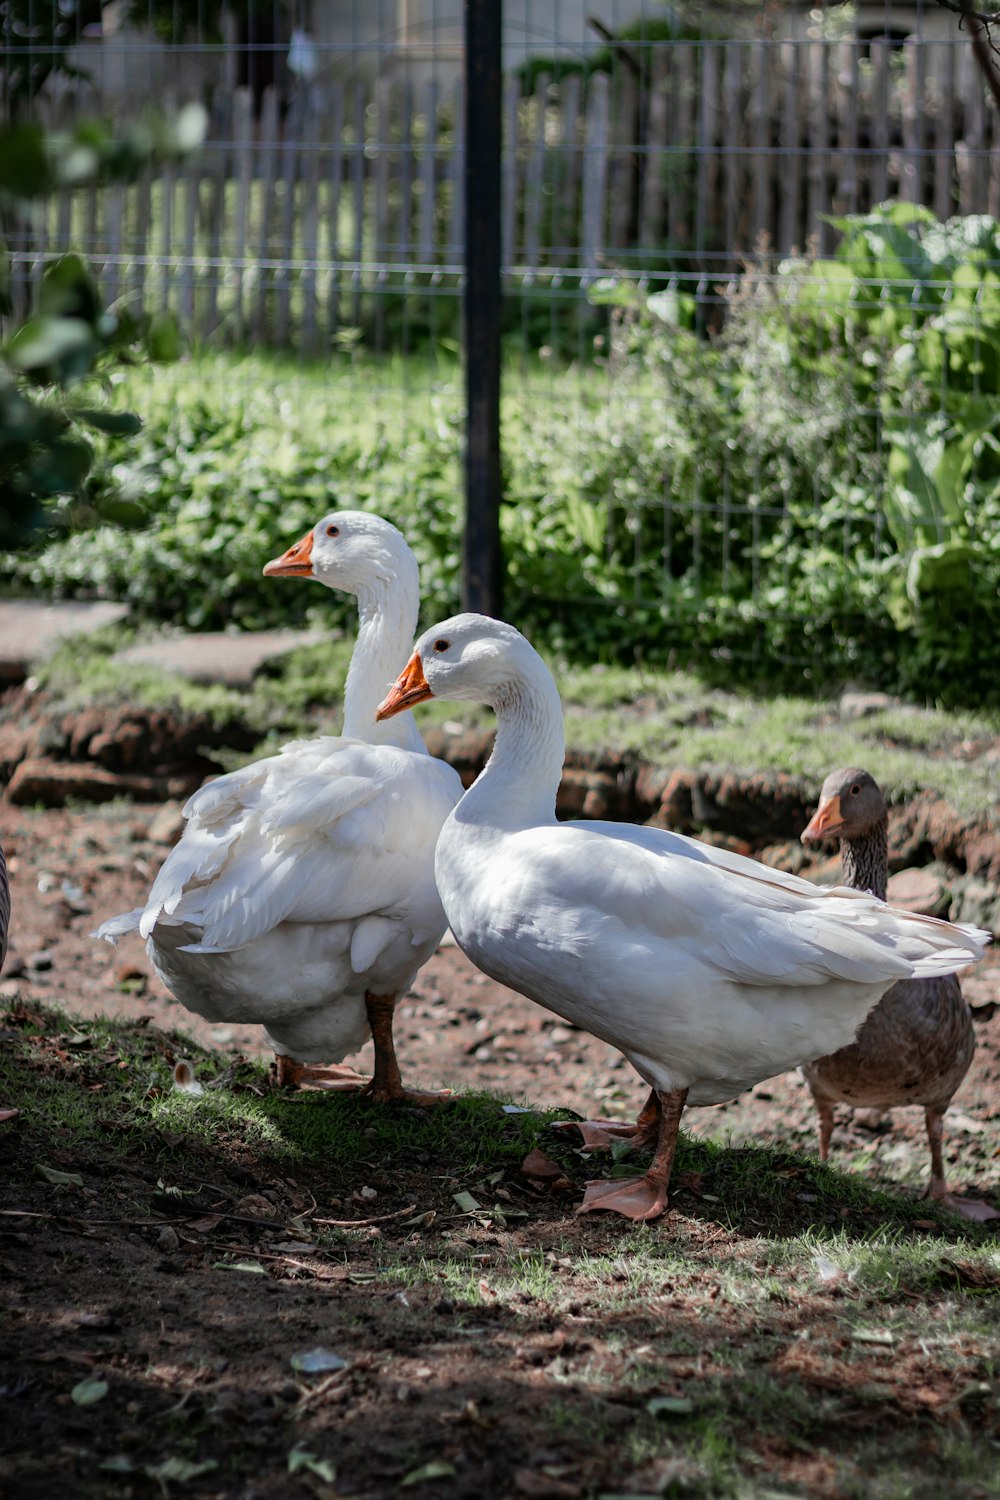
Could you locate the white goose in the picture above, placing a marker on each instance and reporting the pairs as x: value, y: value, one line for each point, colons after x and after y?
x: 708, y: 970
x: 301, y: 894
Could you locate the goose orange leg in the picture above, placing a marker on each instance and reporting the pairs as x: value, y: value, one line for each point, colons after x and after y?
x: 600, y: 1135
x: 938, y: 1190
x: 825, y: 1111
x: 386, y: 1086
x: 642, y: 1198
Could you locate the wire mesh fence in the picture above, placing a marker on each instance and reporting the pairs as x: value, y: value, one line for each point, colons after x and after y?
x: 738, y: 394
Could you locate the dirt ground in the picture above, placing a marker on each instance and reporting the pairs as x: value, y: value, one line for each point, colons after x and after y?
x: 457, y: 1029
x: 424, y: 1384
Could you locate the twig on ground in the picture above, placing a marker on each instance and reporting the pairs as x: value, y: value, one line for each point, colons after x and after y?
x: 323, y: 1389
x: 363, y: 1223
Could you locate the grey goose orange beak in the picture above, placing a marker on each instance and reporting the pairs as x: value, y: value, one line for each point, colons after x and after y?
x: 826, y: 821
x: 409, y: 688
x: 295, y: 563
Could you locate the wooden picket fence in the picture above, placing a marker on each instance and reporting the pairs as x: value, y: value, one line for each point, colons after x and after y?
x: 297, y: 224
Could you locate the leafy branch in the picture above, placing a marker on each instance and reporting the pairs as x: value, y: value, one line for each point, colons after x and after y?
x: 47, y: 413
x: 984, y: 48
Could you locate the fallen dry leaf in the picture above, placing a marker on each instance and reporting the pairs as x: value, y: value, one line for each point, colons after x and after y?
x: 971, y: 1273
x: 539, y: 1167
x: 204, y: 1225
x: 541, y: 1486
x: 690, y: 1180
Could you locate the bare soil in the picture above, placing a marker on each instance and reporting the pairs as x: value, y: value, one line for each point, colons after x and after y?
x: 529, y: 1394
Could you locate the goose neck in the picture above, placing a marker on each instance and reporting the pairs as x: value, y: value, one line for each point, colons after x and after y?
x: 387, y: 620
x: 865, y: 860
x: 519, y: 785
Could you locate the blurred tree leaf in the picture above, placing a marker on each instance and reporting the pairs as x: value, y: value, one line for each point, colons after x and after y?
x: 117, y: 423
x: 38, y: 39
x: 164, y: 339
x: 24, y: 163
x: 69, y: 338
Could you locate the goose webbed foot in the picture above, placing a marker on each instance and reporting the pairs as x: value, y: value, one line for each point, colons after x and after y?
x: 937, y: 1189
x: 289, y: 1073
x: 425, y: 1098
x: 642, y: 1198
x: 637, y: 1198
x: 601, y: 1135
x: 975, y: 1209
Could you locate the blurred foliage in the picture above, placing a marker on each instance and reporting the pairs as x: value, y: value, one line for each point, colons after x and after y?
x: 811, y: 496
x: 631, y: 45
x: 37, y: 36
x: 832, y: 458
x: 54, y: 366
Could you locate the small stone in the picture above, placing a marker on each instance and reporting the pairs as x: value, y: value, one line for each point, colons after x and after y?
x: 40, y: 961
x: 366, y: 1194
x: 858, y: 705
x: 14, y: 966
x: 131, y: 980
x: 168, y: 824
x: 168, y: 1239
x: 255, y: 1206
x: 918, y: 891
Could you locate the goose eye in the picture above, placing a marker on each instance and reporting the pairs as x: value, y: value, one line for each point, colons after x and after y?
x: 441, y: 645
x: 333, y: 531
x: 855, y: 790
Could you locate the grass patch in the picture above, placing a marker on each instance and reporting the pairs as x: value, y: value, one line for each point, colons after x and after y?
x: 662, y: 521
x: 82, y: 1075
x: 666, y: 718
x: 784, y: 1329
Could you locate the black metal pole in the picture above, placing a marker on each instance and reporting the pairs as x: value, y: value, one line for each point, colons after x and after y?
x: 482, y: 563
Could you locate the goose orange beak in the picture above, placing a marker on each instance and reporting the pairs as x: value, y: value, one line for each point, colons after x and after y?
x: 827, y: 820
x: 409, y: 688
x: 295, y: 563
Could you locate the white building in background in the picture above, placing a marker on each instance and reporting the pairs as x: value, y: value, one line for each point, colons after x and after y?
x: 421, y: 38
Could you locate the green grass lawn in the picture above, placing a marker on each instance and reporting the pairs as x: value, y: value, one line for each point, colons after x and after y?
x: 667, y: 718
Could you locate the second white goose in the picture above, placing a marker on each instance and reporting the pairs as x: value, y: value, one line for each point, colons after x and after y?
x: 301, y: 895
x: 708, y: 971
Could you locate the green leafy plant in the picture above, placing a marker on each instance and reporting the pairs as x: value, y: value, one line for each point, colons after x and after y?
x: 54, y: 364
x: 810, y: 496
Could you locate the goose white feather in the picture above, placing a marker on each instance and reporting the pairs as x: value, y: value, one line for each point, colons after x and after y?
x: 709, y: 971
x: 304, y: 882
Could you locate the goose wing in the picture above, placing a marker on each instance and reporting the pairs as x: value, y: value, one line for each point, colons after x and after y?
x: 330, y: 829
x: 617, y: 887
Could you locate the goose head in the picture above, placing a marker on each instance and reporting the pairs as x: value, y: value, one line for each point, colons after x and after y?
x: 850, y: 806
x: 348, y: 550
x: 467, y: 657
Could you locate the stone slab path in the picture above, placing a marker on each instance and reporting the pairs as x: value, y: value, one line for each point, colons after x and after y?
x: 30, y: 630
x: 215, y: 656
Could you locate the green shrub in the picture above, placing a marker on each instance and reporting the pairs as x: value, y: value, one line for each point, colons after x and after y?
x: 811, y: 496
